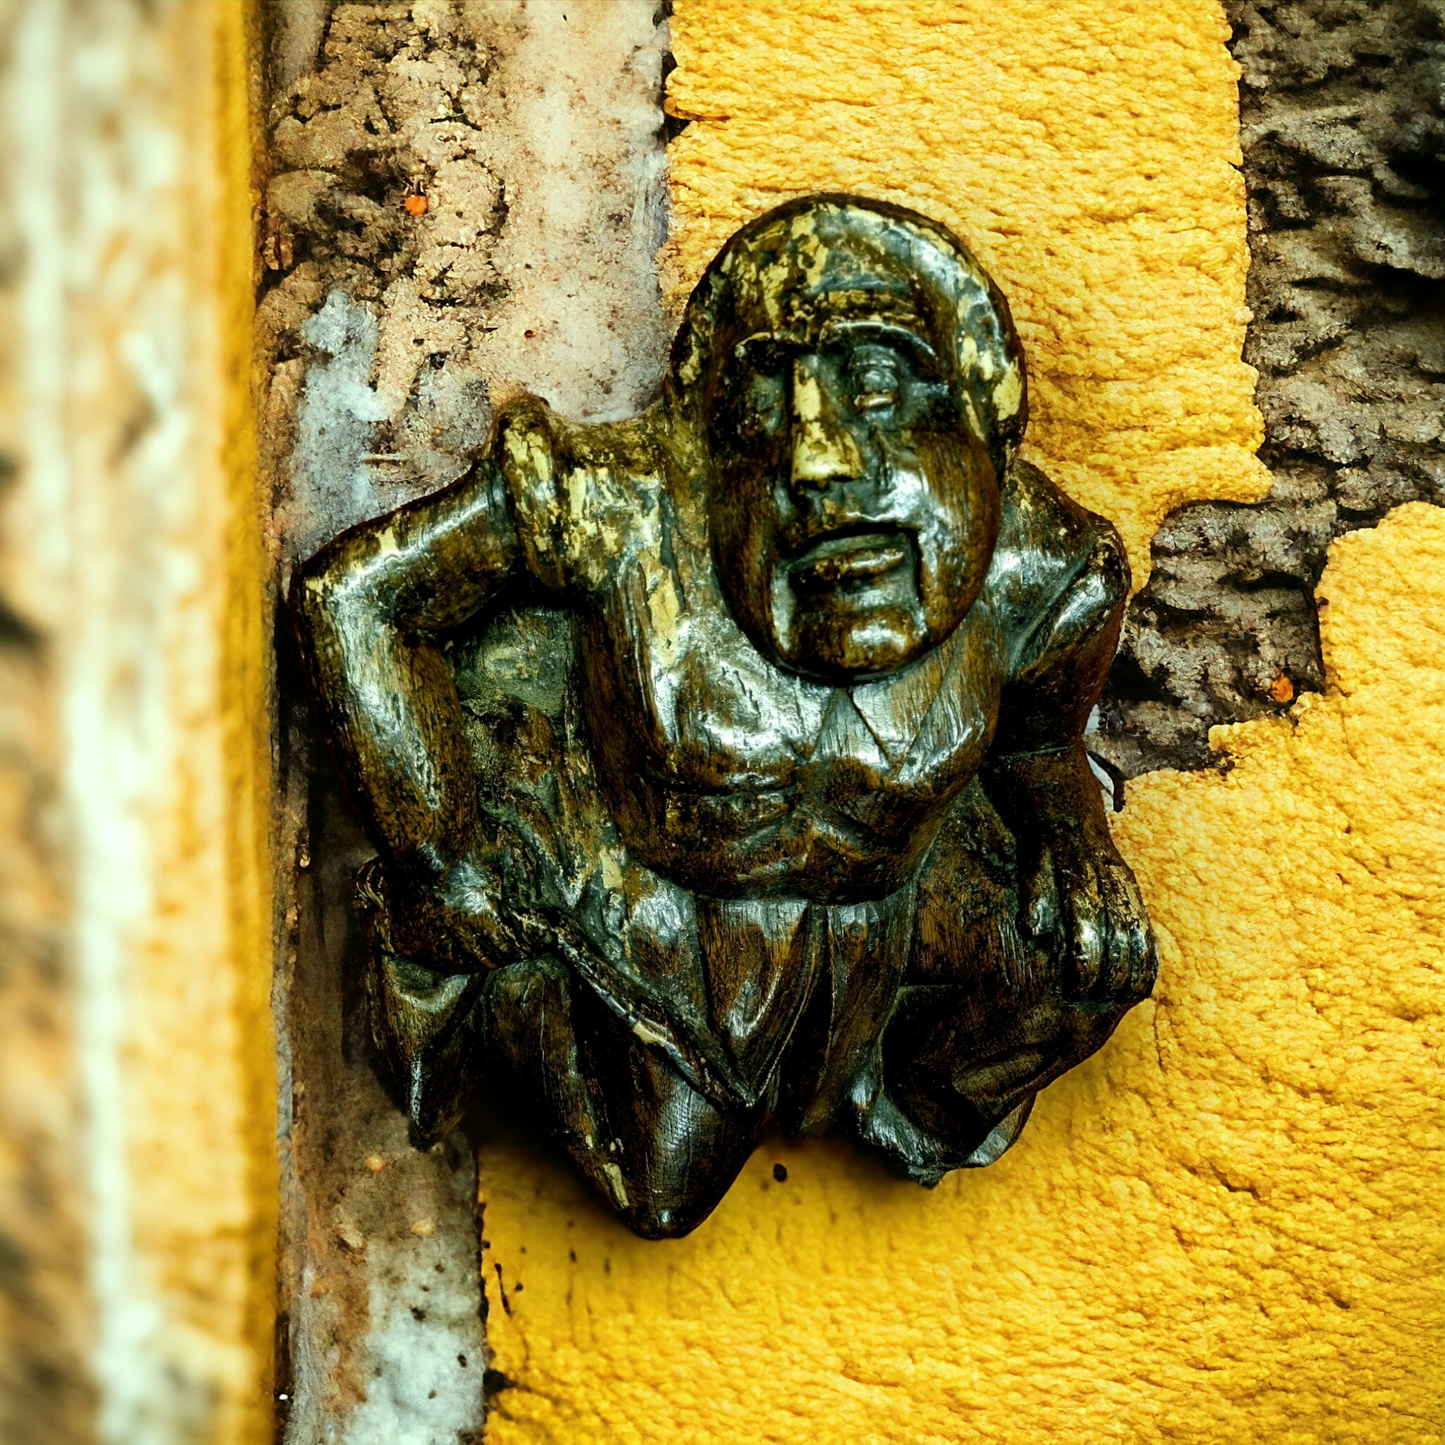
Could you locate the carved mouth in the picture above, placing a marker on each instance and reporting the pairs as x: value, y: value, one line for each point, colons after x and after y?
x: 850, y: 559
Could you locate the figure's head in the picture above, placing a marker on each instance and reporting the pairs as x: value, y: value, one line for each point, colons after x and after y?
x: 857, y: 384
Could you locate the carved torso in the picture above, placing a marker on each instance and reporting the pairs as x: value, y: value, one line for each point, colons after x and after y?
x: 735, y: 777
x: 739, y: 778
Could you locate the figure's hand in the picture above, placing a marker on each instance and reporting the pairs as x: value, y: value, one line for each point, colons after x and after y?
x: 1081, y: 901
x: 448, y: 920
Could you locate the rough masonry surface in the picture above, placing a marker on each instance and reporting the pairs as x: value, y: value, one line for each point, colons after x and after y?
x: 1343, y: 128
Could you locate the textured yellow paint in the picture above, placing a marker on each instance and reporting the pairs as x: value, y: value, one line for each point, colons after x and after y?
x: 201, y: 1071
x: 1085, y: 149
x: 247, y: 693
x: 1227, y: 1226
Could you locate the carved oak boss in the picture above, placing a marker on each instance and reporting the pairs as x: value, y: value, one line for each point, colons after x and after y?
x: 725, y: 764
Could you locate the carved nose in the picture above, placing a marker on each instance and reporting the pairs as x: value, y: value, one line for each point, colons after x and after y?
x: 823, y: 448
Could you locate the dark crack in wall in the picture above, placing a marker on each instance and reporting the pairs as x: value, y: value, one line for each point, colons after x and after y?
x: 1343, y: 132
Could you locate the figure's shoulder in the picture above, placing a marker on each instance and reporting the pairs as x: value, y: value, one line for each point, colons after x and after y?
x: 1035, y: 514
x: 582, y: 494
x: 1047, y: 543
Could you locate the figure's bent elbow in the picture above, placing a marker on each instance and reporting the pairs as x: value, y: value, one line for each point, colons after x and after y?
x: 333, y: 597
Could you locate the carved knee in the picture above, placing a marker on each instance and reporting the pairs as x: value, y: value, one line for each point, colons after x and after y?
x: 659, y: 1152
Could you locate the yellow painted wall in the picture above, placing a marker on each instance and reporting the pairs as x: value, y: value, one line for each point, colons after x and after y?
x: 1227, y: 1226
x: 130, y: 543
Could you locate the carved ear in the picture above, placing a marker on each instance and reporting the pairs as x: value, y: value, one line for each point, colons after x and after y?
x: 998, y: 378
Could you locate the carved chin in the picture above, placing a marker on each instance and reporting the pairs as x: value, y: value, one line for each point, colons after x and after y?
x: 847, y: 639
x: 835, y: 650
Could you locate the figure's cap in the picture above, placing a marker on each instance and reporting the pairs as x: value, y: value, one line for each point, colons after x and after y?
x: 832, y: 257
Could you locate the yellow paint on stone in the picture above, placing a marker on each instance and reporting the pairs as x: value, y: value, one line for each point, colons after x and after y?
x: 1226, y: 1226
x: 1086, y: 150
x: 201, y: 1061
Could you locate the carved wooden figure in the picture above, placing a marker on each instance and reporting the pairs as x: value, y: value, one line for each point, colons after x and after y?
x: 725, y: 764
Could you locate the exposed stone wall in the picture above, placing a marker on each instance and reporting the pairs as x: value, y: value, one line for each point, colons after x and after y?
x: 1343, y: 129
x: 462, y: 200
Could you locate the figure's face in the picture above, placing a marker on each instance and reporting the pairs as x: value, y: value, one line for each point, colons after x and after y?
x: 853, y: 513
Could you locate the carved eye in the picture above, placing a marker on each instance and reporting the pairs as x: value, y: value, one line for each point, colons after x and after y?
x: 876, y: 383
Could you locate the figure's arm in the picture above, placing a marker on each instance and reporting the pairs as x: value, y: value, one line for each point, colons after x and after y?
x: 1080, y: 895
x: 368, y: 608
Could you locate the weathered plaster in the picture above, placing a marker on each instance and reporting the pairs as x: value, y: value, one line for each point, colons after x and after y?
x: 530, y: 133
x: 462, y: 201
